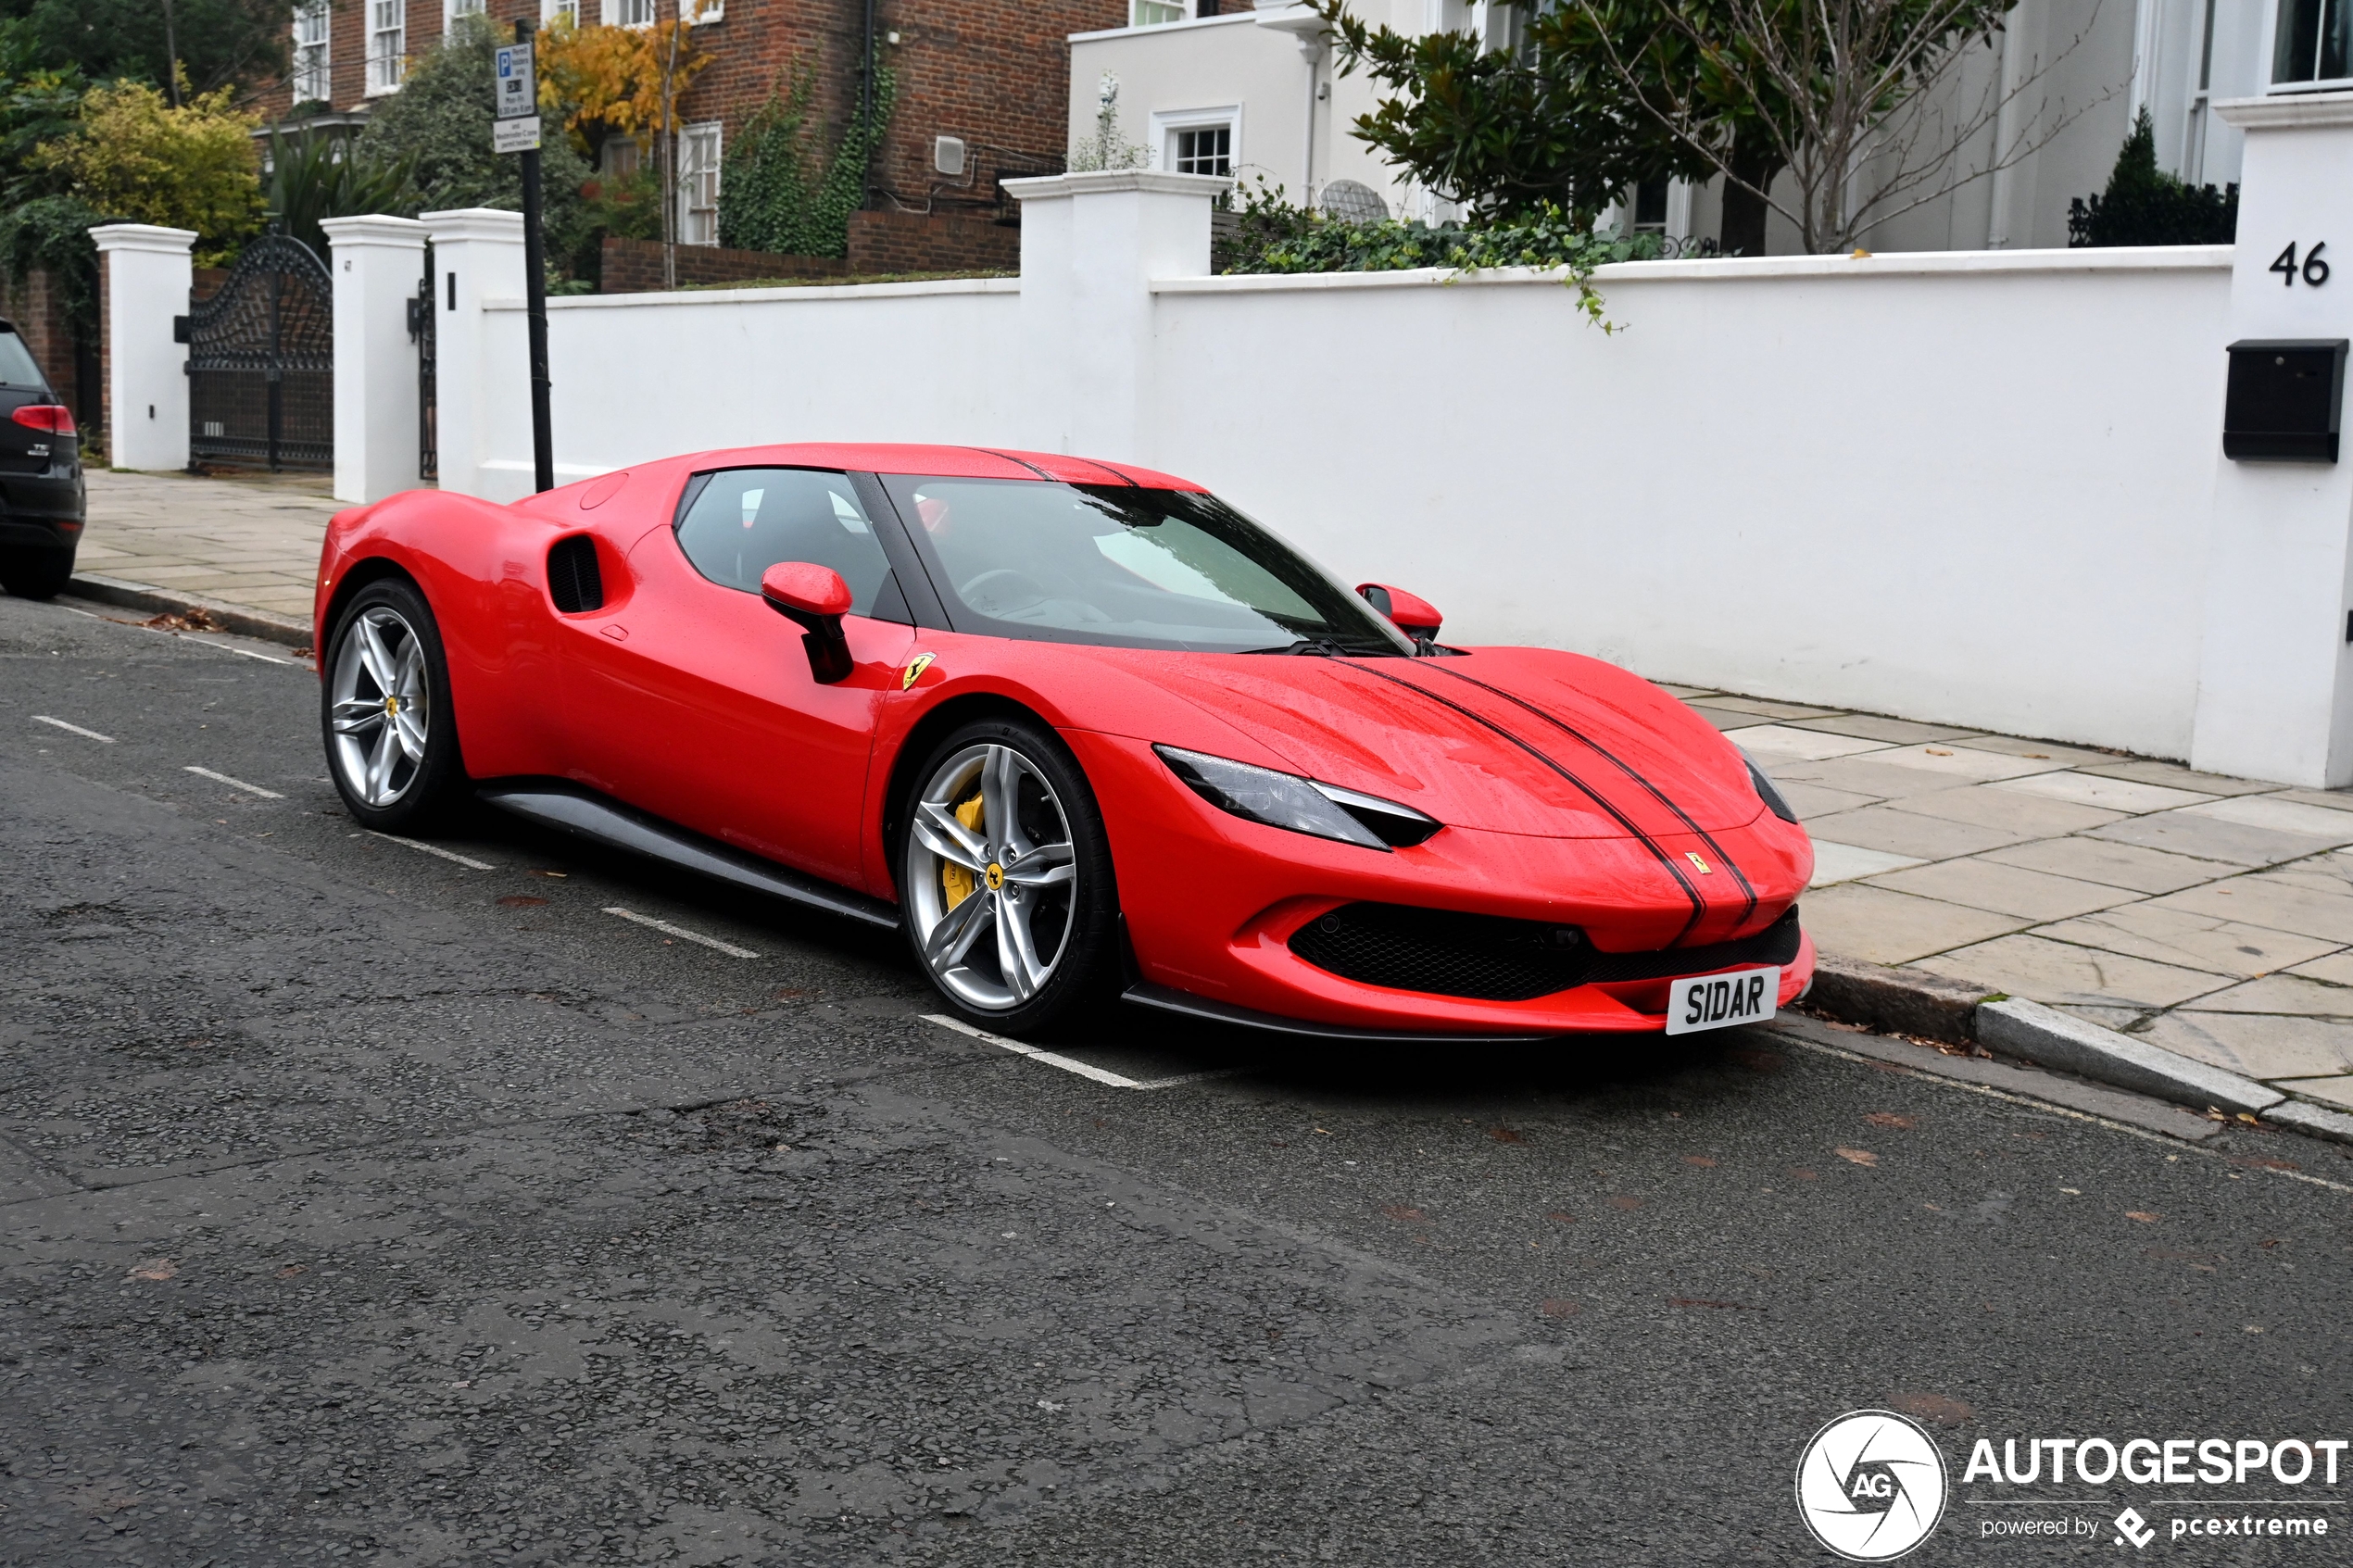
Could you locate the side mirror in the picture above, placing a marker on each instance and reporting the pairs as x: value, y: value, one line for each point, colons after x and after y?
x: 815, y: 598
x: 1419, y: 619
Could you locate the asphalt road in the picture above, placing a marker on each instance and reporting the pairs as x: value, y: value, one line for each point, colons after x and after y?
x: 360, y: 1205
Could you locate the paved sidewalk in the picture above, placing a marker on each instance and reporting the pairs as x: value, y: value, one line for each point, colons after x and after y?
x: 245, y: 541
x: 2211, y: 916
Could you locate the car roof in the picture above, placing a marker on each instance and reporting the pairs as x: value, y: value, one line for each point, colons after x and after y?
x: 947, y: 463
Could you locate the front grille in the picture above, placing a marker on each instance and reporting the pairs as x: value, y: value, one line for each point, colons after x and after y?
x: 1490, y: 958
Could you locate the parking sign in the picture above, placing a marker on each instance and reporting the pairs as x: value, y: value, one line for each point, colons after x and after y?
x: 518, y: 91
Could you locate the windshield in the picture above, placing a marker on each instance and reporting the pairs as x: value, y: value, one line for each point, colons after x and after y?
x: 1131, y: 567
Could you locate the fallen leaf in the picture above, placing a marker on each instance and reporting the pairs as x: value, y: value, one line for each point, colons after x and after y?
x: 1889, y: 1119
x: 1759, y: 1061
x: 519, y: 902
x: 291, y: 1270
x: 155, y: 1268
x: 2141, y: 1214
x: 557, y: 874
x: 1321, y: 1133
x: 2269, y: 1241
x: 1505, y: 1135
x: 1559, y: 1306
x: 2255, y: 1328
x: 1934, y: 1408
x: 1405, y: 1216
x: 1859, y: 1156
x: 1932, y: 751
x: 1700, y: 1160
x: 1802, y: 1174
x: 1566, y: 1219
x: 1622, y: 1201
x: 2254, y: 1164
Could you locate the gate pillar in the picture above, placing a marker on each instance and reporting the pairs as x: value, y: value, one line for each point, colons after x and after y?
x: 376, y: 262
x: 144, y: 273
x: 481, y: 377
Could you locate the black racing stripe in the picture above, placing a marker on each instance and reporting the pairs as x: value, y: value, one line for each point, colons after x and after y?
x: 1658, y: 793
x: 1699, y: 905
x: 1033, y: 468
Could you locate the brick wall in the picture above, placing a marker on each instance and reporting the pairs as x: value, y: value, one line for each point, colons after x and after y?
x: 635, y: 266
x: 912, y: 242
x: 994, y: 73
x: 37, y: 307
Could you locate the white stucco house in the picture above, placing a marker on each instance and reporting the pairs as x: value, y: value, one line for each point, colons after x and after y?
x: 1219, y: 86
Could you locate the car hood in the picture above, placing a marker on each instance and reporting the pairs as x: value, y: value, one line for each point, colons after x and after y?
x: 1508, y: 740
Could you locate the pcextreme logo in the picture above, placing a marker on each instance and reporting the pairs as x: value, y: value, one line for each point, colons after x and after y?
x: 1871, y: 1486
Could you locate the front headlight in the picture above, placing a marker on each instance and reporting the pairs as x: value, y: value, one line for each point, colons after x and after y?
x: 1766, y: 789
x: 1288, y: 801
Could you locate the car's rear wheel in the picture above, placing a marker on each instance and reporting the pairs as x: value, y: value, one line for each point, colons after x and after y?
x: 1006, y: 888
x: 392, y: 740
x: 33, y: 571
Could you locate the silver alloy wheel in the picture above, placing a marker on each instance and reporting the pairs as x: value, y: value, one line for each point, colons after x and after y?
x: 380, y: 708
x: 988, y: 856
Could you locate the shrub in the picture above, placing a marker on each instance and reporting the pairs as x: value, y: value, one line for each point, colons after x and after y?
x: 315, y: 175
x: 2144, y: 206
x: 135, y: 157
x: 781, y: 192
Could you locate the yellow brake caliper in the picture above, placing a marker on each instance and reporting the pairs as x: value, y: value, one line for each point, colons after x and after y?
x: 955, y: 882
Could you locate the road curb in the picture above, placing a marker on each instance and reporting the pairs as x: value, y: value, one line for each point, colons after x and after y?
x: 1896, y: 1001
x: 244, y: 621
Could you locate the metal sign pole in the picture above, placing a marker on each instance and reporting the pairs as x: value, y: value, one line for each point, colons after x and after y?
x: 519, y: 100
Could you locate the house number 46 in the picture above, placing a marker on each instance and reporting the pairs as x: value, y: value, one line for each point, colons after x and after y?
x: 2315, y: 271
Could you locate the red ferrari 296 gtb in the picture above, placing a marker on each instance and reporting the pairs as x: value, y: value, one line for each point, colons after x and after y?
x: 1078, y: 728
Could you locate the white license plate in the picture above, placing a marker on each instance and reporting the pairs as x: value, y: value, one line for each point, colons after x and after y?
x: 1720, y: 1001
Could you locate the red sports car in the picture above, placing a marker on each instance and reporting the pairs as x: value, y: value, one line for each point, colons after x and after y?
x: 1078, y: 728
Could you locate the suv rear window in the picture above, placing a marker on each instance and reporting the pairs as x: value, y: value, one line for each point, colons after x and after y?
x: 17, y: 368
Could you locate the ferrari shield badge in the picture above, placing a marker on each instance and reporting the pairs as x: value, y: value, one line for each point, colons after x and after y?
x: 915, y: 667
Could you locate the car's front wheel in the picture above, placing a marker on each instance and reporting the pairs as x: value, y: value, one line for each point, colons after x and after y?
x: 1006, y: 888
x: 392, y: 740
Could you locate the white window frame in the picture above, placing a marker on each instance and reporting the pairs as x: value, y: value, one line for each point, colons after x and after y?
x: 1145, y: 13
x: 388, y: 68
x: 552, y: 11
x: 2267, y: 60
x: 1164, y: 123
x: 318, y: 73
x: 695, y: 163
x: 452, y: 9
x: 614, y: 10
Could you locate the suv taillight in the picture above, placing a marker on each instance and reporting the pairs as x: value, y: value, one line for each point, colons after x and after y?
x: 55, y: 417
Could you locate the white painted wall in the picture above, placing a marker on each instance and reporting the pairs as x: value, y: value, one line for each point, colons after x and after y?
x: 376, y: 262
x: 148, y: 272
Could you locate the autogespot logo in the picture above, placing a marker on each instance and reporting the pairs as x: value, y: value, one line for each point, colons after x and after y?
x: 1871, y: 1485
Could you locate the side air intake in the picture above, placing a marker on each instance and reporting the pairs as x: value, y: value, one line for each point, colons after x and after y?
x: 573, y: 581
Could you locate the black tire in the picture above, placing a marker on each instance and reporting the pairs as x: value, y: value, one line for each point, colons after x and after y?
x: 33, y: 571
x: 419, y: 792
x: 1087, y: 969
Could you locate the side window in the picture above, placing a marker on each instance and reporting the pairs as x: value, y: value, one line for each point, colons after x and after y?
x: 745, y: 521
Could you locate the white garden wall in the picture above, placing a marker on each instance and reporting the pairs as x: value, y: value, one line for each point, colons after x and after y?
x: 1970, y: 487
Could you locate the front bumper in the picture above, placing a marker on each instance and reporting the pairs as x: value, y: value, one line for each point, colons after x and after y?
x: 1212, y: 902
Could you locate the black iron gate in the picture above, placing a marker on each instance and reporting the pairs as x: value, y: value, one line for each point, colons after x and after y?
x: 261, y: 361
x: 422, y: 320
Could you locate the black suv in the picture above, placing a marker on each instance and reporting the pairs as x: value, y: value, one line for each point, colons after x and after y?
x: 41, y: 496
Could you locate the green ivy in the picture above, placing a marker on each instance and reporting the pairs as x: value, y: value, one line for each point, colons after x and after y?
x: 1271, y: 235
x: 779, y: 192
x: 53, y: 232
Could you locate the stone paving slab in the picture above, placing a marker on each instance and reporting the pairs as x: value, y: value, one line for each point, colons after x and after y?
x: 2212, y: 916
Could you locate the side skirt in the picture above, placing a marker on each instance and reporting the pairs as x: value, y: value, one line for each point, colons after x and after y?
x: 1166, y: 998
x: 591, y: 816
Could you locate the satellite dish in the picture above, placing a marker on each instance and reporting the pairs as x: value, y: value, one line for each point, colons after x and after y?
x: 1350, y: 201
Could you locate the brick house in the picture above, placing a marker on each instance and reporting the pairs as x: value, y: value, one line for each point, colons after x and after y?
x: 994, y: 76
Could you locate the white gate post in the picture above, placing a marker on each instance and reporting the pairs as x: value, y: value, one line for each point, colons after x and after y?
x: 477, y: 256
x: 376, y: 263
x: 1091, y: 246
x: 144, y: 273
x: 2275, y: 679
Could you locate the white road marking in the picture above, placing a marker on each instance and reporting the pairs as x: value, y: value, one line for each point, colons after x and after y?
x: 239, y: 784
x: 1072, y: 1064
x: 75, y: 728
x: 465, y: 861
x: 231, y: 648
x: 681, y: 933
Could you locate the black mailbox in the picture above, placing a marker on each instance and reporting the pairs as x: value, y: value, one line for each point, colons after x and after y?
x: 2285, y: 397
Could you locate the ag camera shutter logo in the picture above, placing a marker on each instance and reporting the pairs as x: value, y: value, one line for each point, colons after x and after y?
x: 1871, y: 1486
